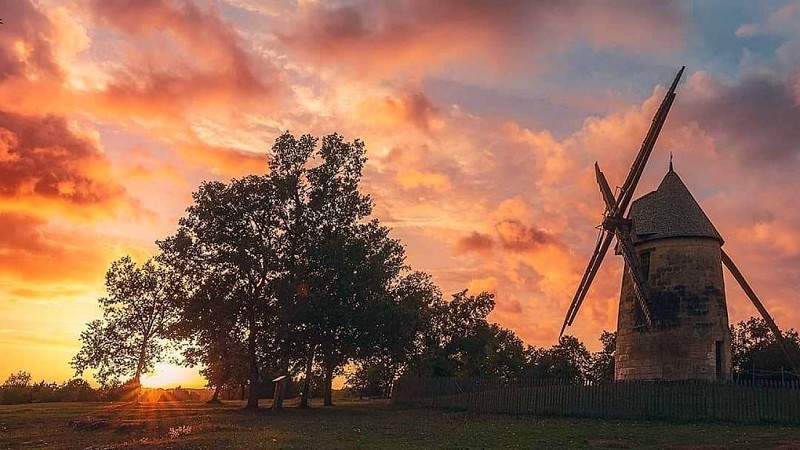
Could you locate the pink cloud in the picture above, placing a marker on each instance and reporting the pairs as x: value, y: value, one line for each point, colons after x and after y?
x: 379, y: 37
x: 25, y: 47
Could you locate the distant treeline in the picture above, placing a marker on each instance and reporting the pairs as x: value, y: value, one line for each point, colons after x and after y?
x: 18, y: 388
x: 286, y: 273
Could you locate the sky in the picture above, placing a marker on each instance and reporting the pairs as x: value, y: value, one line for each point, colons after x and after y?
x: 482, y: 122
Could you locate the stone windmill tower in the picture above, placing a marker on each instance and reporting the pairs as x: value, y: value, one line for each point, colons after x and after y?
x: 680, y: 260
x: 673, y: 318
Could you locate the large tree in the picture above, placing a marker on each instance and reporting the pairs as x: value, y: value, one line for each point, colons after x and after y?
x: 335, y: 264
x: 226, y: 249
x: 354, y: 287
x: 289, y: 260
x: 133, y: 332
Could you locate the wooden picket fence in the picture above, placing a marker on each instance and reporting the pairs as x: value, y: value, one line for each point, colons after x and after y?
x: 742, y: 401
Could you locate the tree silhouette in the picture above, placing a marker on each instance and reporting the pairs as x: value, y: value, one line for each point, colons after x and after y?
x: 18, y: 379
x: 458, y: 341
x: 334, y: 265
x: 132, y: 334
x: 398, y: 340
x: 284, y: 265
x: 601, y: 368
x: 756, y: 353
x: 568, y: 360
x: 226, y: 249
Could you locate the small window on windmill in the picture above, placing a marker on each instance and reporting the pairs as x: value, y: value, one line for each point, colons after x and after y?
x: 644, y: 263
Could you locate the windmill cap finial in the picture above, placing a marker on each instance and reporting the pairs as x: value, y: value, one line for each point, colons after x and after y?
x: 670, y: 162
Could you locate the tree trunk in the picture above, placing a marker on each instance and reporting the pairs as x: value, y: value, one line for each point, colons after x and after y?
x: 388, y: 383
x: 140, y: 364
x: 215, y: 397
x: 307, y: 382
x: 252, y: 396
x: 328, y: 384
x: 218, y: 386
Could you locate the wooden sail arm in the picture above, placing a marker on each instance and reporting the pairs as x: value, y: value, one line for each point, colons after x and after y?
x: 760, y: 307
x: 615, y: 208
x: 629, y: 186
x: 640, y: 286
x: 588, y: 276
x: 605, y: 189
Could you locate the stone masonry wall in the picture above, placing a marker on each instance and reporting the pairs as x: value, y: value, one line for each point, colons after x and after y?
x: 689, y: 311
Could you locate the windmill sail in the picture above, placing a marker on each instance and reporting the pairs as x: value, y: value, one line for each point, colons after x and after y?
x: 615, y: 214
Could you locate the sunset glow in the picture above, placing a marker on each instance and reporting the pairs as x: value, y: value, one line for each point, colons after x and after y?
x: 482, y: 122
x: 171, y: 376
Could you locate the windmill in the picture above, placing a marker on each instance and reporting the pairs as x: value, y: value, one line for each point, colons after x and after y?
x: 673, y: 320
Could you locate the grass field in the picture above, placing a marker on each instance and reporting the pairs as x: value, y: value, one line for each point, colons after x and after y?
x: 368, y: 424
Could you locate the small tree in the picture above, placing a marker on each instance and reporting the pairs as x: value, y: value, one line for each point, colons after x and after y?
x: 369, y: 379
x: 457, y: 340
x: 753, y: 346
x: 16, y: 389
x: 568, y: 360
x: 78, y: 390
x: 398, y: 343
x: 601, y: 368
x: 131, y: 336
x: 19, y: 379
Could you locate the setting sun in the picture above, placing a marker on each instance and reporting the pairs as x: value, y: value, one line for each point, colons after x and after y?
x: 170, y: 376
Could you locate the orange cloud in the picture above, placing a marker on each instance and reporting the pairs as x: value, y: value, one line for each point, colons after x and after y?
x: 44, y: 161
x: 411, y: 179
x: 222, y: 161
x: 412, y: 108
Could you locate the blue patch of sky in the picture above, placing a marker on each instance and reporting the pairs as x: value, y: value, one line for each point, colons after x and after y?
x: 530, y: 110
x: 712, y: 44
x: 550, y: 98
x: 587, y: 69
x: 532, y: 99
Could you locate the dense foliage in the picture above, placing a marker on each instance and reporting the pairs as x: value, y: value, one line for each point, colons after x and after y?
x: 756, y: 354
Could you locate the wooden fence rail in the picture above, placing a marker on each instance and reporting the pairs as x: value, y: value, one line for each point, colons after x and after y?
x: 764, y: 401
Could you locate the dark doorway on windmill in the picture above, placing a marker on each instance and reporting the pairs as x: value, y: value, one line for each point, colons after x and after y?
x: 644, y: 262
x: 719, y: 360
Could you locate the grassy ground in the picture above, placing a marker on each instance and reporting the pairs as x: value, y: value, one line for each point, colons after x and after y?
x: 373, y: 424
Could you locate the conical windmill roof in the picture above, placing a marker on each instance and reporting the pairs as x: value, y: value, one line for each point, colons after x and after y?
x: 670, y: 211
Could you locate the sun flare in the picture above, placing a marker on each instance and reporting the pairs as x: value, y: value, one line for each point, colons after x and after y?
x: 170, y: 376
